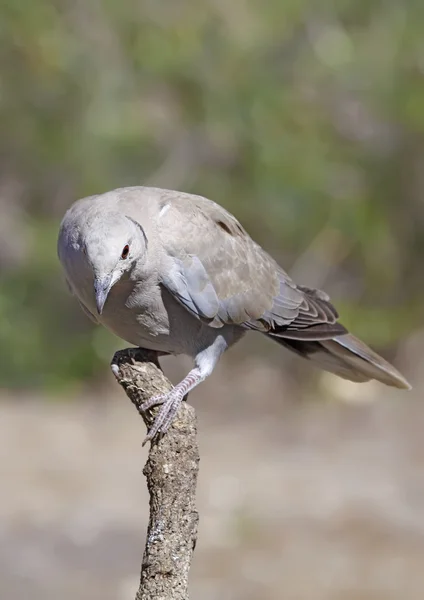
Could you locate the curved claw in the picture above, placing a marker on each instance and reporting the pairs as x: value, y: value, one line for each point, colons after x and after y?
x: 170, y: 404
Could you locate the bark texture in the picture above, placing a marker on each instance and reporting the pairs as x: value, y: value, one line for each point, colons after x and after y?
x: 171, y: 472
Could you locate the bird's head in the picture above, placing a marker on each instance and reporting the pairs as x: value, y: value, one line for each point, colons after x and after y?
x: 113, y: 244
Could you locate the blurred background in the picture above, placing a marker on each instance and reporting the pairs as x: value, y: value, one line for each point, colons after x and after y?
x: 304, y: 119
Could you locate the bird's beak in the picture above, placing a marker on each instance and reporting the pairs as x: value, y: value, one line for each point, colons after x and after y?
x: 102, y: 287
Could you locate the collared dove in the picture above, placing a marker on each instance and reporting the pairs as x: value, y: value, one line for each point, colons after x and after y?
x: 177, y: 273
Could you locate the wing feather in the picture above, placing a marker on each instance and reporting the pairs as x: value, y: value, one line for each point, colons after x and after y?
x: 223, y: 277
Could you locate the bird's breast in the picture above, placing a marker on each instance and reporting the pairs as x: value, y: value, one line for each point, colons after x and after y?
x: 148, y: 316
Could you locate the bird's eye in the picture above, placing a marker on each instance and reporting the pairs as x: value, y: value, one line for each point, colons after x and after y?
x: 125, y: 252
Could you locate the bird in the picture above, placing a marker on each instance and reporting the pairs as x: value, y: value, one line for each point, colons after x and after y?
x: 177, y: 273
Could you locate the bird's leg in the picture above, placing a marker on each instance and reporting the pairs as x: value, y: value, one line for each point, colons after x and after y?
x: 205, y: 362
x: 171, y: 402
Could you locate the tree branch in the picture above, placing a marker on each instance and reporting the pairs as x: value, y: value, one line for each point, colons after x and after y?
x: 171, y: 472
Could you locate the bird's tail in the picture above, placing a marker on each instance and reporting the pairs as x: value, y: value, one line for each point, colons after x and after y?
x: 348, y: 357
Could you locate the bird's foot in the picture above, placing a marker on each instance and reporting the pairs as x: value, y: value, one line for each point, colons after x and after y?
x: 170, y: 404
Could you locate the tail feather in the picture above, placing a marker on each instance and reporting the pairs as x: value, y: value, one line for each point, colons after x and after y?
x: 316, y: 334
x: 364, y: 360
x: 349, y: 358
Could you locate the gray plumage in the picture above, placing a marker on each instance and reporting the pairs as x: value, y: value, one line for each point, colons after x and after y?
x: 177, y: 273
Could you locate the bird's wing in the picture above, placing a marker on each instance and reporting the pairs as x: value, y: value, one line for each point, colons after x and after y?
x: 222, y: 276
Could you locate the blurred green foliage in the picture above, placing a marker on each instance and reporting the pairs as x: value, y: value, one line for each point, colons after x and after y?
x: 305, y: 119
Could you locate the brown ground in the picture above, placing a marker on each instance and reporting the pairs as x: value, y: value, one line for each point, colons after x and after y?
x: 297, y: 500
